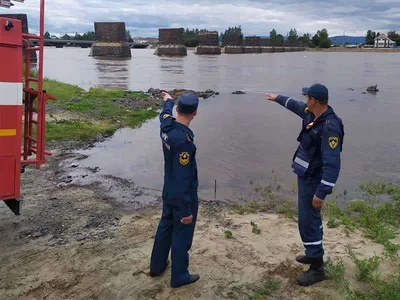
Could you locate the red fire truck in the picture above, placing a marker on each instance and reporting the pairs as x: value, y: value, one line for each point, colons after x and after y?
x: 22, y: 106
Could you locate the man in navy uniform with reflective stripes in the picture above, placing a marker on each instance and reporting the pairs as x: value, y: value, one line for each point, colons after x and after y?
x: 180, y: 202
x: 317, y: 165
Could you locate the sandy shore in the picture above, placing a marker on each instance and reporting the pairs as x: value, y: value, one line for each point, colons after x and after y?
x: 73, y: 242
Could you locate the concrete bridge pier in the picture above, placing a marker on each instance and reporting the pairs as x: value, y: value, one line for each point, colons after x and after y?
x: 252, y: 44
x: 235, y: 46
x: 209, y: 43
x: 110, y: 40
x: 170, y: 42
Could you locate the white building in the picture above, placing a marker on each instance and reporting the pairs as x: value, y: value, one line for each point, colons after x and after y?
x: 383, y: 41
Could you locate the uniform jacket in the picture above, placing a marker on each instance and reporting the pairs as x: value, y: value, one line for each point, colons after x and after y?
x: 180, y: 168
x: 320, y: 145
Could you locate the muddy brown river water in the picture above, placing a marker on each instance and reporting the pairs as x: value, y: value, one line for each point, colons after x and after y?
x: 242, y: 138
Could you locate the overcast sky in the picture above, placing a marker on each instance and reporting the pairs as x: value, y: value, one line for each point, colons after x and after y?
x: 257, y: 17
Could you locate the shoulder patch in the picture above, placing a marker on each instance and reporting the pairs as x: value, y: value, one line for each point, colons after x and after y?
x: 166, y: 116
x: 306, y: 110
x: 184, y: 158
x: 333, y: 142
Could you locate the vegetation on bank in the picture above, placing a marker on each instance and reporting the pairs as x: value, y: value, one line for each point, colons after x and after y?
x: 376, y: 215
x: 87, y: 115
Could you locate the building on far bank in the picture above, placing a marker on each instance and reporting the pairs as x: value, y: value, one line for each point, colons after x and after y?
x: 383, y: 41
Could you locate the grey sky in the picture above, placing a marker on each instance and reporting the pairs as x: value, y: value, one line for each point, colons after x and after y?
x: 143, y: 18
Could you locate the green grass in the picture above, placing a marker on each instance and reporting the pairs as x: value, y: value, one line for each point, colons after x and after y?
x: 379, y: 188
x: 77, y: 131
x: 63, y: 91
x: 365, y: 267
x: 255, y: 229
x: 335, y: 271
x: 379, y: 289
x: 270, y: 286
x: 379, y: 222
x: 228, y: 234
x: 373, y: 187
x: 97, y: 114
x: 80, y: 130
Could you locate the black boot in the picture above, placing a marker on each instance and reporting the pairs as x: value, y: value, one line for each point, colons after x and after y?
x: 315, y: 274
x: 192, y: 279
x: 304, y: 260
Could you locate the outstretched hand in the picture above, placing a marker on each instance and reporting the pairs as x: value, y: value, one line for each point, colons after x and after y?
x: 271, y: 97
x: 166, y: 96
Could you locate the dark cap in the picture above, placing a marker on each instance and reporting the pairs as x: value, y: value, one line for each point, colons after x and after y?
x: 317, y: 91
x: 188, y: 103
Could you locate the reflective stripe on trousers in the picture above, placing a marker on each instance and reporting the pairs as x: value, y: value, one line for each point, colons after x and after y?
x: 310, y: 220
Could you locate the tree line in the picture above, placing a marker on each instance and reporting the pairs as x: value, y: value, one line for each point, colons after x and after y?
x: 88, y: 36
x: 191, y: 37
x: 371, y: 35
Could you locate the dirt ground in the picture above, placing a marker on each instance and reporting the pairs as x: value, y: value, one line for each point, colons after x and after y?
x: 76, y: 242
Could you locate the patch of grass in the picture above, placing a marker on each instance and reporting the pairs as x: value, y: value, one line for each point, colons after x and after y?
x: 255, y: 230
x: 373, y: 187
x: 392, y: 190
x: 241, y: 210
x: 333, y: 223
x: 379, y: 289
x: 228, y: 234
x: 270, y: 286
x: 77, y: 131
x: 63, y: 91
x: 80, y: 130
x: 391, y: 250
x: 332, y: 210
x: 365, y: 267
x: 335, y: 271
x: 380, y: 222
x: 287, y: 209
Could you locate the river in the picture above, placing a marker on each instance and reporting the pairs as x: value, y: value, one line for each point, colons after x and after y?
x: 242, y: 138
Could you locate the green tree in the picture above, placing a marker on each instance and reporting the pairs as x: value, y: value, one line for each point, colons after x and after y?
x: 272, y: 35
x: 280, y: 38
x: 394, y: 37
x: 370, y: 37
x: 47, y: 35
x: 89, y: 36
x: 321, y: 39
x: 316, y: 40
x: 66, y: 37
x: 77, y: 37
x: 129, y: 38
x: 293, y: 35
x: 325, y: 43
x: 305, y: 39
x: 226, y: 37
x: 323, y: 34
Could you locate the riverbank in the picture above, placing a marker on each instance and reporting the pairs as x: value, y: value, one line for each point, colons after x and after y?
x: 81, y: 241
x: 74, y: 242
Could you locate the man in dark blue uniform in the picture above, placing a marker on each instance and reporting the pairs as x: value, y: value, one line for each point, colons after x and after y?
x: 180, y: 202
x: 317, y: 165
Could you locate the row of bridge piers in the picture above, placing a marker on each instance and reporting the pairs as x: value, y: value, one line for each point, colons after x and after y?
x: 111, y: 42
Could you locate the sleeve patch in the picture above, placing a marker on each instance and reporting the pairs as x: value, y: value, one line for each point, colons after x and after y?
x: 184, y: 158
x: 333, y: 142
x: 166, y: 116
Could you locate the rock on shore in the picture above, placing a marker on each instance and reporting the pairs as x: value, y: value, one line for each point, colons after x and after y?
x: 177, y: 92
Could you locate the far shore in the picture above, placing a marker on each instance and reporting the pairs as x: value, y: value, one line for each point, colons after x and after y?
x: 340, y: 49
